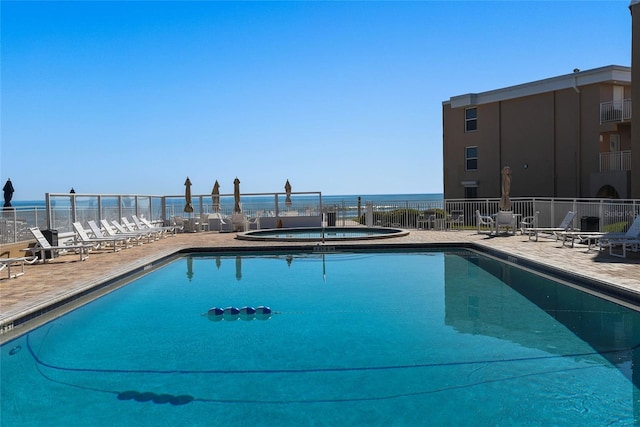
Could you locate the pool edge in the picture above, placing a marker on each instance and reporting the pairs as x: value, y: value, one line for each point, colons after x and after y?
x: 11, y: 327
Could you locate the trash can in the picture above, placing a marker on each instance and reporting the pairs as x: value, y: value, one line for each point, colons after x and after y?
x: 52, y: 238
x: 590, y: 223
x: 331, y: 219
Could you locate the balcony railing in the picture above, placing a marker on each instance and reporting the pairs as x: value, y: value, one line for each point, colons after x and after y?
x: 615, y: 161
x: 615, y: 111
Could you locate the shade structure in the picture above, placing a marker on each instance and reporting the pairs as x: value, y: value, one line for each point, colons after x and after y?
x: 8, y: 193
x: 215, y: 197
x: 236, y: 195
x: 505, y: 201
x: 287, y: 189
x: 188, y: 207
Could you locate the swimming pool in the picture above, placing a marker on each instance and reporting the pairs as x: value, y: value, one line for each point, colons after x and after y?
x: 317, y: 234
x: 360, y: 338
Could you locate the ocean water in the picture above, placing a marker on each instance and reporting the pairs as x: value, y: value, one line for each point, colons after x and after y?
x: 267, y: 200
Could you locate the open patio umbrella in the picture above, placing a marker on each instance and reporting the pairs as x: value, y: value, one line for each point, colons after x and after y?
x: 215, y: 197
x: 8, y: 193
x: 505, y: 202
x: 287, y: 189
x: 188, y: 207
x: 236, y: 195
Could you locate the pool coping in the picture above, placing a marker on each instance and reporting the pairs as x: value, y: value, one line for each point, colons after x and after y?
x: 14, y: 326
x: 383, y: 233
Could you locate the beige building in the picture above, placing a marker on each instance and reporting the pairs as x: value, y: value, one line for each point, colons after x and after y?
x: 635, y: 97
x: 566, y: 136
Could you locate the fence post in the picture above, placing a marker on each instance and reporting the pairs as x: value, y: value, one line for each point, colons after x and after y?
x: 601, y: 214
x: 74, y: 216
x: 406, y: 213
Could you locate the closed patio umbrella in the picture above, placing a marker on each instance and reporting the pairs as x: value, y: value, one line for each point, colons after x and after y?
x: 215, y: 197
x: 238, y: 268
x: 287, y: 189
x: 188, y: 207
x: 189, y: 268
x: 8, y: 193
x: 505, y: 201
x: 236, y: 195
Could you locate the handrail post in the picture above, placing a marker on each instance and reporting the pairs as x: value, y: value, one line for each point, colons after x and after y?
x: 47, y: 199
x: 74, y: 216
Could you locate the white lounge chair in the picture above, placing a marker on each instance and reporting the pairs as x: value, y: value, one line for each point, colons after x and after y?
x: 484, y: 221
x: 42, y: 246
x: 7, y: 263
x: 144, y: 224
x: 131, y: 227
x: 100, y: 238
x: 565, y: 225
x: 116, y: 230
x: 629, y: 241
x: 591, y: 238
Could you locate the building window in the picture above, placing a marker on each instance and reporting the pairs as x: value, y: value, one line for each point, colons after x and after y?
x: 470, y: 119
x: 470, y: 192
x: 471, y: 158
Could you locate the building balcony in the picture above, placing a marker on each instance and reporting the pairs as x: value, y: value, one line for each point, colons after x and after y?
x: 615, y: 161
x: 615, y: 111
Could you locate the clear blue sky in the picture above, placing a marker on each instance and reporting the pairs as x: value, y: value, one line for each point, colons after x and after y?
x: 337, y: 97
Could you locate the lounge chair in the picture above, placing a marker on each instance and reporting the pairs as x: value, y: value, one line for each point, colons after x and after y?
x: 144, y: 224
x: 592, y: 238
x: 43, y: 246
x: 629, y: 241
x: 100, y: 238
x: 565, y: 225
x: 484, y: 221
x: 16, y: 262
x: 116, y: 230
x: 505, y: 220
x: 133, y: 228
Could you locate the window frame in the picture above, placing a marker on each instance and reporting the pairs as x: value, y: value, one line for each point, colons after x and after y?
x: 468, y: 120
x: 468, y: 158
x: 471, y: 192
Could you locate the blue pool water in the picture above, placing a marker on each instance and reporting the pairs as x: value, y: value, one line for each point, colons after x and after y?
x: 416, y: 338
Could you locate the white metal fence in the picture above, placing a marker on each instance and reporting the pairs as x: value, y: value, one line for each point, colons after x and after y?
x: 64, y: 209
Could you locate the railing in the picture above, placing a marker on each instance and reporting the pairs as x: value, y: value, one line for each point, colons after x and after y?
x: 63, y: 209
x: 615, y: 111
x: 15, y: 222
x: 610, y: 214
x: 381, y: 213
x: 615, y: 161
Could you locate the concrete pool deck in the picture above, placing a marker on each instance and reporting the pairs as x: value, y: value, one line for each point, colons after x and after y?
x: 45, y: 284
